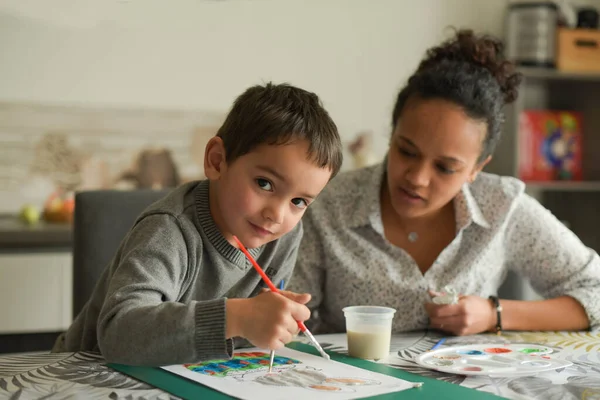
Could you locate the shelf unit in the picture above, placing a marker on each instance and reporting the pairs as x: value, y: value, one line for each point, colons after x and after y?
x: 575, y: 203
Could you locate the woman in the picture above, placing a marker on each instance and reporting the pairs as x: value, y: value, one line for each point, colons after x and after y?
x: 427, y: 217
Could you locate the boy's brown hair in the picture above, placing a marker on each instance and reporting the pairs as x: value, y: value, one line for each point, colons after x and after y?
x: 281, y: 114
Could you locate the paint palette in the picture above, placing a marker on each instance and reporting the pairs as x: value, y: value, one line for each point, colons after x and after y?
x: 492, y: 359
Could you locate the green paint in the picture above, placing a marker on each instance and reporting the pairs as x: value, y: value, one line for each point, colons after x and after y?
x: 529, y: 351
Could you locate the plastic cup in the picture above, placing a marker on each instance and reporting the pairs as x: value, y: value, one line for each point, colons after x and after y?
x: 369, y: 331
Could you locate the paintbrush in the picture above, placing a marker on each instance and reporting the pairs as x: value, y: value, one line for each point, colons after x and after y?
x: 267, y: 280
x: 438, y: 344
x: 272, y: 355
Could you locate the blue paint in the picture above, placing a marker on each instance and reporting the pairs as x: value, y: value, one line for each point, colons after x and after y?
x: 471, y: 352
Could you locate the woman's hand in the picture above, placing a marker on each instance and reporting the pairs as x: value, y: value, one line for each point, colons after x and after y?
x: 470, y: 316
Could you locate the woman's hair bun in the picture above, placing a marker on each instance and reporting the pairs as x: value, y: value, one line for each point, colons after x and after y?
x: 479, y: 50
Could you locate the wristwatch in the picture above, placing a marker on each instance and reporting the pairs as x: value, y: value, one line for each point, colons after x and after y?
x: 498, y: 307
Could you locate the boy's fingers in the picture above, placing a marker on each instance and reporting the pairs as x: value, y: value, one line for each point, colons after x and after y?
x: 292, y: 330
x: 301, y: 298
x: 300, y: 312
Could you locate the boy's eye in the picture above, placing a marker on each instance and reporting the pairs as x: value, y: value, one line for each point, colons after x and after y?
x: 264, y: 184
x: 445, y: 170
x: 300, y: 203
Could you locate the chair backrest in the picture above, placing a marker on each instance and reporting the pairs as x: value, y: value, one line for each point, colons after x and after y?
x: 101, y: 221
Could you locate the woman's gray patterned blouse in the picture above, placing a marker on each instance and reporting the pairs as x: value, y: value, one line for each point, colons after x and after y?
x: 344, y: 258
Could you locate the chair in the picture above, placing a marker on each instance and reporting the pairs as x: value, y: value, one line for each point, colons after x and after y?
x: 101, y: 221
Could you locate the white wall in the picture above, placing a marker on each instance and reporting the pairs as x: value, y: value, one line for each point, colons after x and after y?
x: 201, y: 54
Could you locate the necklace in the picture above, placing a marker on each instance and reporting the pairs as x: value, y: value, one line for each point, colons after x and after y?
x: 412, y: 237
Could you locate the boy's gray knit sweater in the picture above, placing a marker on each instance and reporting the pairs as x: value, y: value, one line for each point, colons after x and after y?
x: 162, y: 298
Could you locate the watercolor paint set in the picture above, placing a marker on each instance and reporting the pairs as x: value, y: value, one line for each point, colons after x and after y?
x: 492, y: 359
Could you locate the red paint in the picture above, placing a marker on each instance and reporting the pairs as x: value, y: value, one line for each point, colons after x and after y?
x: 497, y: 350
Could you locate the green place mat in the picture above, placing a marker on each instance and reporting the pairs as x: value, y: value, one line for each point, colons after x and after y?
x: 431, y: 389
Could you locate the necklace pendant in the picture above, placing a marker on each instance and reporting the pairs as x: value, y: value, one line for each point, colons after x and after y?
x: 412, y: 237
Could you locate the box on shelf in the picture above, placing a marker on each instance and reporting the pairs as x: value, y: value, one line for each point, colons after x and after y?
x: 550, y: 145
x: 578, y: 50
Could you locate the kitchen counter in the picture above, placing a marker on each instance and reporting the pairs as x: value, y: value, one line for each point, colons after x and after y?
x: 17, y: 235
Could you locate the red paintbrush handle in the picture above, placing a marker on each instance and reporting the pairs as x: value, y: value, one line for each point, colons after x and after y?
x: 263, y: 275
x: 302, y: 326
x: 256, y: 266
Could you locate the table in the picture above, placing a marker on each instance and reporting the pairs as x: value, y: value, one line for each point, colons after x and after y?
x: 85, y: 375
x: 17, y: 235
x: 580, y: 381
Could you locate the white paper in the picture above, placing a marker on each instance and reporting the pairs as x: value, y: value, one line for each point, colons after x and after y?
x: 295, y: 375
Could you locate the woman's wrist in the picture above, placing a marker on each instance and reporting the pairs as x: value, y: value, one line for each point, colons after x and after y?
x: 491, y: 320
x: 496, y: 318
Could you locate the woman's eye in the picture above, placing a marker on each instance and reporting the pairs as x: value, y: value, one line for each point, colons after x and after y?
x: 406, y: 153
x: 264, y: 184
x: 300, y: 203
x: 445, y: 170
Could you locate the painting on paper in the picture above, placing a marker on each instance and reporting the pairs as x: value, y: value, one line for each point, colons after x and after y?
x: 294, y: 376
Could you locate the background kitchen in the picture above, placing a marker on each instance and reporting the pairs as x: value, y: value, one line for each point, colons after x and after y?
x: 124, y: 94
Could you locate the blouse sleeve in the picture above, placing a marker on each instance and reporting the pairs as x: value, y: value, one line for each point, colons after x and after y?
x: 553, y: 258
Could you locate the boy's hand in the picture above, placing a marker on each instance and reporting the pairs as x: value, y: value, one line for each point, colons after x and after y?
x: 301, y: 298
x: 268, y: 320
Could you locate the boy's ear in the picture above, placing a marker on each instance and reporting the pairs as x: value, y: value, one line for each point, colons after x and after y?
x: 214, y: 158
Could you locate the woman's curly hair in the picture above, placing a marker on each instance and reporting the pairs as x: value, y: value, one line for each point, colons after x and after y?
x: 470, y: 71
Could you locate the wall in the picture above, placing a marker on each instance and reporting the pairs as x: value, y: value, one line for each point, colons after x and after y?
x: 194, y: 54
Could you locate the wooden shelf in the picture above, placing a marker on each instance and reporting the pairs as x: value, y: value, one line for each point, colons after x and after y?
x: 569, y: 186
x: 554, y: 74
x: 573, y: 202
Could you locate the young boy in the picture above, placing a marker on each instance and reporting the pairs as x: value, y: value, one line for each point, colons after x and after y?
x: 178, y: 289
